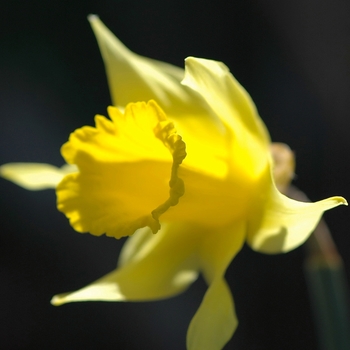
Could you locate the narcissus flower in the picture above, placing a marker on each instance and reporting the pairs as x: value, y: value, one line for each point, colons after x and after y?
x: 183, y: 165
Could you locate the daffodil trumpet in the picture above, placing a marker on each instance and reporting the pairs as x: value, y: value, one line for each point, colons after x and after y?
x: 183, y: 165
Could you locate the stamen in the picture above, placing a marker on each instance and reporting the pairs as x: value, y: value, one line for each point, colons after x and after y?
x: 166, y: 132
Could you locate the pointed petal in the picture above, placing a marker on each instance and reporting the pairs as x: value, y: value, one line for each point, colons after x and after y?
x: 162, y: 267
x: 233, y: 106
x: 134, y: 78
x: 215, y: 321
x: 225, y: 96
x: 35, y: 176
x: 284, y: 224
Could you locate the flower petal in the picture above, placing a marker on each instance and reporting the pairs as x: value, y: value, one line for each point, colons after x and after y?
x: 234, y: 107
x: 211, y: 202
x: 225, y: 96
x: 162, y: 267
x: 124, y: 171
x: 134, y: 78
x: 135, y: 244
x: 215, y: 321
x: 284, y: 223
x: 35, y: 176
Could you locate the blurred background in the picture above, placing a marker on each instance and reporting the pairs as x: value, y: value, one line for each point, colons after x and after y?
x: 292, y: 56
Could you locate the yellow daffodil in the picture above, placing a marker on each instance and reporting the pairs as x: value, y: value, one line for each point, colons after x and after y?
x: 183, y: 165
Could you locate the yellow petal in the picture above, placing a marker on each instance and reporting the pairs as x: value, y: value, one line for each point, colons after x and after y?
x: 135, y: 247
x: 215, y: 321
x: 233, y: 106
x: 219, y: 247
x: 164, y: 266
x: 284, y: 224
x: 134, y: 78
x: 35, y: 176
x: 124, y: 171
x: 211, y: 202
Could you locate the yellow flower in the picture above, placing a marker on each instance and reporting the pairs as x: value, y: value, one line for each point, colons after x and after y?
x: 192, y: 164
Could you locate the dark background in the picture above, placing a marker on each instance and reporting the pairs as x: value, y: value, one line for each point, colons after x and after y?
x: 293, y: 57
